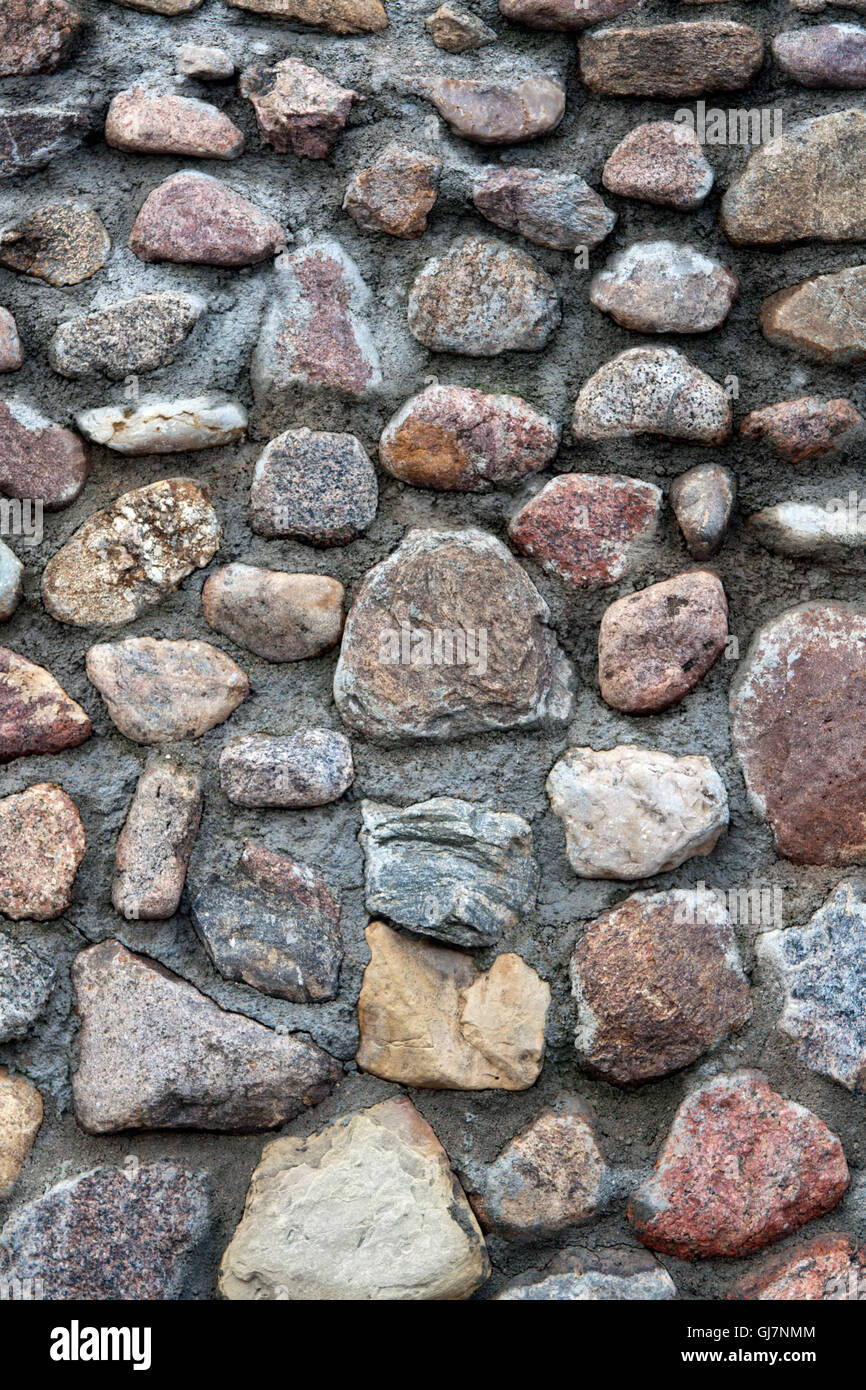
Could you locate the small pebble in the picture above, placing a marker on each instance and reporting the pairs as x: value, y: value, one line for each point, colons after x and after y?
x: 457, y: 31
x: 205, y: 63
x: 702, y: 501
x: 395, y: 193
x: 277, y: 616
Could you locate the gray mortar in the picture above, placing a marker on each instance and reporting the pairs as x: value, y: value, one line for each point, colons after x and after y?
x: 123, y: 48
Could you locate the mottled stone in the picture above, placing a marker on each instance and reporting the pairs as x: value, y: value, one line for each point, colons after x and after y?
x: 824, y: 317
x: 826, y: 1267
x: 36, y: 714
x: 457, y: 439
x: 142, y: 122
x: 337, y: 16
x: 154, y: 1053
x: 563, y: 14
x: 664, y: 287
x: 36, y: 36
x: 653, y: 391
x: 275, y: 615
x: 589, y: 530
x: 654, y: 646
x: 497, y: 113
x: 608, y: 1275
x: 165, y: 427
x: 61, y: 243
x: 128, y: 338
x: 456, y: 30
x: 395, y: 193
x: 38, y: 459
x: 11, y: 583
x: 702, y: 500
x: 197, y: 219
x: 274, y: 926
x: 128, y: 558
x: 804, y: 184
x: 798, y: 731
x: 139, y: 1232
x: 156, y: 841
x: 33, y: 136
x: 830, y: 55
x: 205, y: 63
x: 11, y: 353
x: 374, y: 1211
x: 741, y: 1167
x: 632, y: 812
x: 20, y: 1118
x: 315, y: 335
x: 314, y: 486
x: 448, y: 868
x: 804, y: 428
x: 309, y: 768
x: 298, y: 109
x: 809, y: 530
x: 670, y: 60
x: 661, y: 162
x: 43, y: 845
x: 449, y: 637
x: 26, y: 982
x: 157, y: 691
x: 482, y: 298
x: 427, y: 1017
x: 556, y: 210
x: 166, y: 7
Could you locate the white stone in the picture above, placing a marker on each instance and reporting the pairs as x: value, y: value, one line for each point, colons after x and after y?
x: 655, y: 391
x: 808, y: 529
x: 165, y: 427
x: 664, y: 287
x: 11, y: 577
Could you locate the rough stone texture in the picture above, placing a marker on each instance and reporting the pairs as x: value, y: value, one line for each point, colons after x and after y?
x: 315, y: 487
x: 395, y: 193
x: 11, y: 352
x: 427, y: 1017
x: 826, y: 1267
x: 497, y: 113
x: 590, y: 531
x: 377, y: 1212
x: 134, y: 1233
x: 164, y: 7
x: 20, y: 1118
x: 26, y: 982
x: 43, y: 845
x: 278, y: 616
x: 563, y: 14
x: 196, y: 219
x: 824, y: 317
x: 298, y: 109
x: 11, y: 582
x: 448, y: 868
x: 482, y: 298
x: 805, y: 183
x: 310, y: 768
x: 670, y: 60
x: 806, y: 529
x: 61, y: 243
x: 830, y: 55
x: 156, y: 841
x: 337, y: 16
x: 702, y: 501
x: 456, y: 30
x: 131, y: 337
x: 36, y: 714
x: 804, y: 428
x: 631, y: 812
x: 154, y: 1053
x: 654, y: 646
x: 664, y: 287
x: 653, y: 391
x: 31, y: 137
x: 204, y: 62
x: 36, y: 36
x: 129, y: 558
x: 661, y: 162
x: 157, y: 691
x: 740, y: 1168
x: 165, y: 427
x: 39, y: 459
x: 142, y: 122
x: 274, y: 926
x: 617, y: 1274
x: 555, y: 210
x: 797, y: 729
x: 438, y: 590
x: 457, y: 439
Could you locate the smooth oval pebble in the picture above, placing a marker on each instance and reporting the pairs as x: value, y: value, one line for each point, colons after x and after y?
x: 157, y: 691
x: 702, y: 500
x: 195, y: 219
x: 278, y: 616
x: 141, y: 122
x: 493, y: 113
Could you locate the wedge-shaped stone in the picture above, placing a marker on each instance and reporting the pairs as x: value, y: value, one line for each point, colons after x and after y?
x: 36, y: 714
x: 653, y: 391
x: 556, y: 210
x: 166, y: 427
x: 498, y: 113
x: 823, y: 318
x: 43, y: 845
x: 156, y: 841
x: 33, y: 136
x: 126, y: 339
x: 670, y: 60
x: 157, y: 691
x: 804, y: 428
x: 195, y: 219
x: 702, y: 500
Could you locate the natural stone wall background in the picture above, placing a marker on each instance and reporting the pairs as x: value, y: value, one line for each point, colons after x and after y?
x: 122, y: 48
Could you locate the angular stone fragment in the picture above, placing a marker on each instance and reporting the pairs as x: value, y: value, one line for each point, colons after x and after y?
x: 205, y: 63
x: 395, y: 193
x: 427, y: 1017
x: 195, y: 219
x: 449, y: 637
x: 830, y: 55
x: 661, y: 162
x: 632, y: 812
x: 824, y: 317
x: 154, y: 1053
x: 548, y: 1177
x: 274, y: 926
x: 563, y: 14
x: 36, y: 714
x: 43, y: 845
x: 33, y: 136
x: 20, y: 1118
x: 825, y: 1267
x: 315, y: 335
x: 448, y: 868
x: 11, y: 583
x: 366, y: 1210
x: 804, y: 428
x: 741, y: 1167
x: 806, y: 529
x: 798, y: 731
x: 589, y: 530
x: 126, y: 559
x: 165, y: 427
x: 702, y: 500
x: 26, y: 982
x: 664, y: 287
x: 456, y: 30
x: 555, y: 210
x: 298, y: 109
x: 457, y: 439
x: 61, y: 243
x: 670, y: 60
x: 11, y: 354
x: 113, y: 1234
x: 129, y: 338
x: 278, y: 616
x: 314, y: 486
x: 142, y: 122
x: 156, y: 841
x: 38, y: 459
x: 157, y: 691
x: 310, y: 768
x: 497, y: 113
x: 337, y: 16
x: 653, y: 391
x: 594, y: 1276
x: 36, y: 36
x: 482, y: 298
x: 654, y: 646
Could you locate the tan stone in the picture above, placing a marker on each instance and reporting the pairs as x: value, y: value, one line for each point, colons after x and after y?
x: 824, y: 317
x: 20, y: 1118
x: 43, y: 843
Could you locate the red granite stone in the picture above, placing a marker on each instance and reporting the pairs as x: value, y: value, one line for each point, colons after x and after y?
x: 36, y: 36
x: 38, y: 459
x: 36, y: 714
x: 196, y: 219
x: 823, y: 1268
x: 588, y: 530
x: 804, y: 428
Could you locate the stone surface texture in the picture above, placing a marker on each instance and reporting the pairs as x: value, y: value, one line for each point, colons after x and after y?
x: 662, y: 163
x: 589, y: 531
x: 156, y: 841
x: 43, y: 845
x: 310, y: 768
x: 277, y: 616
x: 36, y: 714
x: 158, y: 691
x: 670, y: 60
x: 804, y: 428
x: 654, y: 391
x: 664, y: 287
x: 20, y: 1119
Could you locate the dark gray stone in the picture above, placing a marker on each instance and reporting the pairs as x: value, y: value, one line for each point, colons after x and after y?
x: 137, y: 336
x: 314, y: 486
x: 26, y: 981
x: 31, y: 137
x: 702, y: 500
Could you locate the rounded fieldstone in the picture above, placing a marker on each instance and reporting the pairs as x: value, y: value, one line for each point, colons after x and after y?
x: 395, y: 193
x: 44, y: 844
x: 156, y: 841
x: 829, y: 55
x: 204, y: 62
x: 804, y: 428
x: 661, y: 162
x: 157, y: 691
x: 11, y: 582
x: 702, y: 500
x: 20, y: 1119
x: 588, y: 530
x: 36, y: 714
x: 556, y: 210
x: 36, y: 36
x: 195, y: 219
x: 314, y: 486
x: 38, y: 459
x: 275, y: 615
x: 141, y: 122
x: 654, y: 391
x: 11, y: 353
x: 309, y: 768
x: 670, y: 60
x: 61, y: 243
x: 132, y: 337
x: 165, y: 427
x: 664, y: 287
x: 824, y: 317
x: 498, y: 113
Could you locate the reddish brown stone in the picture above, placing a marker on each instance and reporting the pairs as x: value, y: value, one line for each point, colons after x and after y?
x: 588, y: 530
x: 670, y: 60
x: 741, y: 1168
x: 337, y: 16
x: 11, y: 356
x: 43, y: 845
x: 823, y: 1268
x: 661, y: 162
x: 563, y: 14
x: 36, y: 714
x: 395, y: 193
x: 36, y: 36
x: 39, y: 459
x: 62, y: 243
x: 804, y: 428
x: 656, y: 645
x: 143, y: 122
x: 195, y: 219
x: 297, y: 108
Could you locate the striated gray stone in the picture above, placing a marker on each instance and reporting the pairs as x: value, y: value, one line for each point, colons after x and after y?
x: 314, y: 486
x: 126, y: 339
x: 156, y: 841
x: 702, y: 501
x: 555, y: 210
x: 157, y: 691
x: 456, y: 31
x: 310, y: 768
x: 166, y: 427
x: 618, y: 1274
x: 653, y: 391
x: 497, y: 113
x: 26, y: 982
x: 664, y: 287
x: 661, y: 162
x: 32, y: 137
x: 277, y: 616
x: 830, y: 55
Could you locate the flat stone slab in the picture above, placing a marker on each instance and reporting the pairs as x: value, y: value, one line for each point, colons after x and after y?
x: 670, y: 60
